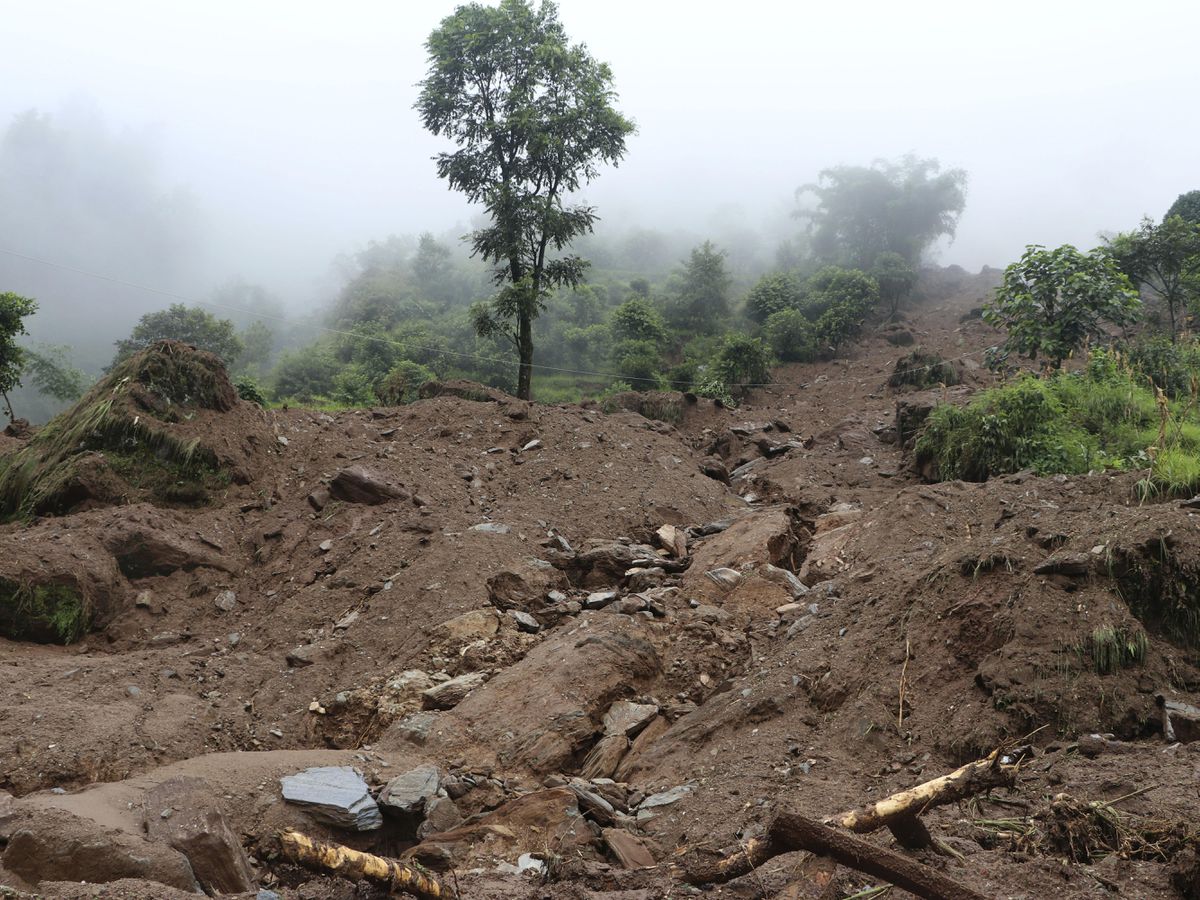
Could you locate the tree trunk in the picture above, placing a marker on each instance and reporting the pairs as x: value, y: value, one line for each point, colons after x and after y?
x: 903, y: 807
x: 525, y: 350
x: 790, y: 832
x: 7, y: 406
x: 358, y: 866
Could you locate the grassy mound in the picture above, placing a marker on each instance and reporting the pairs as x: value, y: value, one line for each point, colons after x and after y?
x: 118, y: 441
x: 922, y: 369
x: 1102, y: 418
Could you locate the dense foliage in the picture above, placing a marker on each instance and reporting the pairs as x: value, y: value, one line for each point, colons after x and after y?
x: 13, y: 311
x: 191, y: 325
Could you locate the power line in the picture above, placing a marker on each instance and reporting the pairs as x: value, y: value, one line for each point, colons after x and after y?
x: 408, y: 345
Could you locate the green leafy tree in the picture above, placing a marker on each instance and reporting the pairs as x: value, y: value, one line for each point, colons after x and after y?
x: 895, y: 277
x: 431, y: 269
x: 772, y: 293
x: 13, y: 311
x: 191, y: 325
x: 637, y: 320
x: 52, y: 374
x: 305, y: 374
x: 741, y: 363
x: 1163, y: 258
x: 900, y: 207
x: 402, y: 383
x: 1187, y: 207
x: 701, y: 301
x: 639, y: 363
x: 258, y: 346
x: 534, y: 120
x: 791, y: 335
x: 1051, y: 301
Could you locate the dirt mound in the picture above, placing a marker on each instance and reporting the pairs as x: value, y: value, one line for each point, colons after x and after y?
x: 556, y: 645
x: 164, y: 425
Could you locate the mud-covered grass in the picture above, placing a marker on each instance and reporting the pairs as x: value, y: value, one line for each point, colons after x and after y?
x: 43, y: 612
x: 126, y: 418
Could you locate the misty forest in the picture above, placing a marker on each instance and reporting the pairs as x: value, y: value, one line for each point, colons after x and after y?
x: 478, y: 451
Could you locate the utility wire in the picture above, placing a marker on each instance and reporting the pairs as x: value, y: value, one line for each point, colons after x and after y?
x: 407, y: 345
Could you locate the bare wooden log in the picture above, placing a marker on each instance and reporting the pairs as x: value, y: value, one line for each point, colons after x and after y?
x: 790, y: 832
x: 358, y: 866
x: 899, y: 810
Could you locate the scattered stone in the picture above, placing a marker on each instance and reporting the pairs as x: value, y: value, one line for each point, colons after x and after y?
x: 234, y: 638
x: 527, y: 862
x: 450, y: 693
x: 628, y: 850
x: 599, y: 599
x: 650, y: 807
x: 725, y: 577
x: 409, y: 684
x: 785, y: 579
x: 525, y: 622
x: 200, y: 832
x: 144, y: 600
x: 441, y: 814
x: 416, y: 728
x: 491, y: 528
x: 408, y: 793
x: 304, y: 655
x: 319, y: 499
x: 603, y: 759
x: 133, y: 690
x: 325, y: 546
x: 673, y: 540
x: 226, y: 601
x: 335, y: 795
x: 628, y: 718
x: 360, y: 485
x: 557, y: 597
x: 532, y: 445
x: 346, y: 621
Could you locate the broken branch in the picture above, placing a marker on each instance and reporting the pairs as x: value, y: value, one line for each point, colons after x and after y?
x: 790, y: 832
x: 358, y: 866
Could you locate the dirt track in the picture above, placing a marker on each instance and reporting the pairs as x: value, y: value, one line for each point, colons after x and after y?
x: 926, y: 638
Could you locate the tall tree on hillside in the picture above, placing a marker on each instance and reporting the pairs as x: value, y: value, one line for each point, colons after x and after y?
x: 701, y: 301
x: 1163, y: 258
x: 899, y: 207
x: 533, y: 118
x: 189, y: 324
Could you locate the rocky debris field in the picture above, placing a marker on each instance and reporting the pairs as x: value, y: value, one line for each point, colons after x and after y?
x: 539, y: 651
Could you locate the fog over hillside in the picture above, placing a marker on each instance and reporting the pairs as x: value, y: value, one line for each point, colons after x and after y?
x: 260, y: 140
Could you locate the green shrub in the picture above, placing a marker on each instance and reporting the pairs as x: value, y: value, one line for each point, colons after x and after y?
x: 43, y: 612
x: 248, y: 389
x: 1068, y: 423
x: 639, y: 363
x: 403, y: 383
x: 791, y: 336
x: 772, y: 294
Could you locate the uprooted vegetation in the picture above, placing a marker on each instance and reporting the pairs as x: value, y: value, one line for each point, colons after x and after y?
x: 138, y: 433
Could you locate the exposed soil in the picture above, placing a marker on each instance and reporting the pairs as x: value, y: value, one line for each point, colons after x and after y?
x: 373, y: 554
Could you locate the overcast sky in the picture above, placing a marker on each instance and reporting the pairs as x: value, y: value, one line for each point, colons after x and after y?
x: 292, y: 122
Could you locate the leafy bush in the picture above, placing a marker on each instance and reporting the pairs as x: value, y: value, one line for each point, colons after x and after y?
x: 637, y: 320
x: 247, y: 389
x: 791, y: 335
x: 773, y: 293
x: 305, y: 375
x: 191, y: 325
x: 1069, y: 423
x: 741, y: 363
x: 1171, y: 366
x: 639, y: 363
x: 403, y: 383
x: 1051, y: 301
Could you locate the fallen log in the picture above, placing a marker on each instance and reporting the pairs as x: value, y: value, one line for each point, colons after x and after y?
x: 899, y: 812
x: 358, y: 866
x: 790, y: 832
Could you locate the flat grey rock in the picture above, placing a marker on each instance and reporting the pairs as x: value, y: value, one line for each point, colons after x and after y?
x: 335, y: 795
x: 408, y: 793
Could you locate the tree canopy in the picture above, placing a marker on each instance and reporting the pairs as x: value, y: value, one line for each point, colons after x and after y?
x: 900, y: 207
x: 1164, y: 258
x: 533, y: 118
x: 1187, y: 206
x: 701, y: 301
x: 192, y: 325
x: 1051, y: 301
